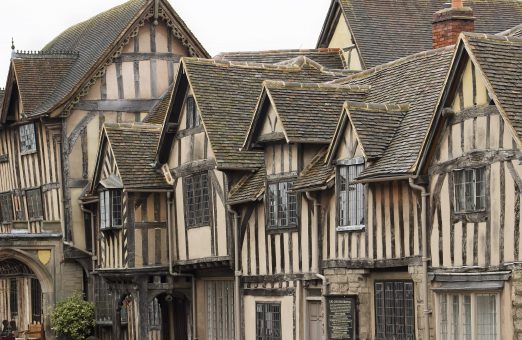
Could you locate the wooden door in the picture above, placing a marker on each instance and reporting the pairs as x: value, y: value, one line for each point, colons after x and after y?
x: 314, y: 320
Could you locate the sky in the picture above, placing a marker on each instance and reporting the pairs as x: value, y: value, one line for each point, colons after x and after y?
x: 220, y: 25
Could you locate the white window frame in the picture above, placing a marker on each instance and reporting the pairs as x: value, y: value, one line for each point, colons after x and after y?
x: 461, y: 189
x: 473, y: 302
x: 108, y: 208
x: 351, y: 201
x: 27, y: 138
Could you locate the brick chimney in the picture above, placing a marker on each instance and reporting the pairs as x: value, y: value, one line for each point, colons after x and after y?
x: 448, y: 23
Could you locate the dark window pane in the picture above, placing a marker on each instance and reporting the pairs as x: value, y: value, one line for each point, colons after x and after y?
x: 34, y: 203
x: 268, y: 321
x: 394, y: 311
x: 197, y: 200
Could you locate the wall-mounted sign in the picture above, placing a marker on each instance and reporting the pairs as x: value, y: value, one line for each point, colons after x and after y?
x: 341, y: 317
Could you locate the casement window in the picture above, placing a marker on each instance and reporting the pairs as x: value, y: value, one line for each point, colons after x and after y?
x: 468, y: 316
x: 103, y: 301
x: 110, y: 209
x: 191, y: 113
x: 394, y: 310
x: 470, y: 190
x: 27, y: 138
x: 6, y: 208
x: 34, y: 203
x: 350, y: 196
x: 281, y: 205
x: 268, y: 321
x: 220, y: 309
x: 196, y: 199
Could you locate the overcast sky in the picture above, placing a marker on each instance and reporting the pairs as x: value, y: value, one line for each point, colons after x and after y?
x: 220, y: 25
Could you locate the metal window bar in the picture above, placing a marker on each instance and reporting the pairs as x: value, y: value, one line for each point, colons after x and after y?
x: 268, y: 321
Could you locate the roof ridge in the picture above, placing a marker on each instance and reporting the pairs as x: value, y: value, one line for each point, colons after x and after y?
x: 323, y: 86
x: 493, y: 37
x: 379, y: 107
x: 45, y: 54
x: 133, y: 126
x: 510, y: 31
x: 373, y: 70
x: 281, y: 51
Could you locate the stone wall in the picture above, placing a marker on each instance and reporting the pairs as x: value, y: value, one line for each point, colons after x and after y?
x: 516, y: 298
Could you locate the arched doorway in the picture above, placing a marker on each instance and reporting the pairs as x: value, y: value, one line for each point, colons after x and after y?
x: 168, y: 317
x: 21, y: 298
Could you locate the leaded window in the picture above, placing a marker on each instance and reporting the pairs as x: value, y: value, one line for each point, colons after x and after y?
x: 468, y: 316
x: 350, y: 196
x: 27, y: 138
x: 13, y: 298
x: 470, y: 190
x: 281, y: 205
x: 220, y: 309
x: 268, y: 321
x: 197, y: 201
x: 110, y: 209
x: 394, y: 310
x: 103, y: 301
x: 191, y: 113
x: 6, y: 208
x: 34, y: 203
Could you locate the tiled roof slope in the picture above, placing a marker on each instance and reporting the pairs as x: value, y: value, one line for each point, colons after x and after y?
x: 316, y: 174
x: 226, y: 94
x: 37, y: 75
x: 515, y: 31
x: 327, y: 57
x: 500, y: 58
x: 249, y: 188
x: 2, y: 94
x: 135, y: 163
x: 401, y: 28
x: 376, y: 124
x: 308, y: 111
x: 416, y: 80
x: 158, y: 113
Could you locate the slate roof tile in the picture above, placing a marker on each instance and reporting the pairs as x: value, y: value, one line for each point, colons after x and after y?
x: 158, y: 113
x: 316, y: 174
x: 328, y: 57
x: 249, y: 188
x: 135, y: 163
x: 404, y: 27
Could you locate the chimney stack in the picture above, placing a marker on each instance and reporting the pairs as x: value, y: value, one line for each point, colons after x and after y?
x: 448, y: 23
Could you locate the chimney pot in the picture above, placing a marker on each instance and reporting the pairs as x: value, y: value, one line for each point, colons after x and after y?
x: 456, y: 3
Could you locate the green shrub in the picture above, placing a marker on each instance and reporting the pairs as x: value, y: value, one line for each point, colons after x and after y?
x: 73, y: 317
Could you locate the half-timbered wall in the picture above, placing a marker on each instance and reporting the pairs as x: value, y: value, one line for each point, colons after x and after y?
x: 127, y: 90
x: 192, y: 154
x: 35, y: 170
x: 475, y: 136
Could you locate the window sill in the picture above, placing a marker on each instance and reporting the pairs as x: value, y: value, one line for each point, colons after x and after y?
x: 26, y: 153
x: 281, y: 230
x: 470, y: 217
x: 111, y: 228
x: 35, y: 219
x: 196, y: 226
x: 348, y: 228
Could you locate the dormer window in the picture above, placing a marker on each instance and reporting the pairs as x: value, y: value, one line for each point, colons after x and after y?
x: 110, y: 209
x: 27, y: 138
x: 281, y: 205
x: 350, y: 195
x: 470, y: 190
x: 191, y: 113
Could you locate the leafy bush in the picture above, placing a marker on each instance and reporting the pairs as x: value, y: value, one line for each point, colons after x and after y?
x: 73, y: 317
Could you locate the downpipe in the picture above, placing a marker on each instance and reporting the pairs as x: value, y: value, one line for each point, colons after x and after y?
x: 170, y: 201
x: 424, y: 228
x: 237, y: 275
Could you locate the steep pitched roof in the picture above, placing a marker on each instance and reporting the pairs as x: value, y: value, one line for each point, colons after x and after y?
x: 226, y: 94
x: 416, y: 80
x: 158, y: 113
x: 327, y: 57
x: 500, y: 61
x: 95, y: 40
x: 404, y: 27
x: 37, y: 75
x: 308, y: 111
x: 135, y: 164
x: 375, y: 125
x: 316, y: 175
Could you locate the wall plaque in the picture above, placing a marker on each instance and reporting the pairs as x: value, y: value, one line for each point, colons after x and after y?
x: 341, y: 314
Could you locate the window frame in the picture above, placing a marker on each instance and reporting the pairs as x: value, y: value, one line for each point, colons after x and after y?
x: 9, y: 201
x: 394, y: 315
x: 219, y: 301
x: 461, y: 185
x: 359, y: 164
x: 293, y: 222
x: 23, y: 134
x: 461, y: 310
x: 259, y: 336
x: 34, y: 204
x: 191, y: 116
x: 107, y: 219
x: 201, y: 215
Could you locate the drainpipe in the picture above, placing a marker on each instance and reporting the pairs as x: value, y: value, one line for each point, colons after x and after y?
x: 315, y: 259
x: 170, y: 202
x: 424, y: 228
x: 237, y: 275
